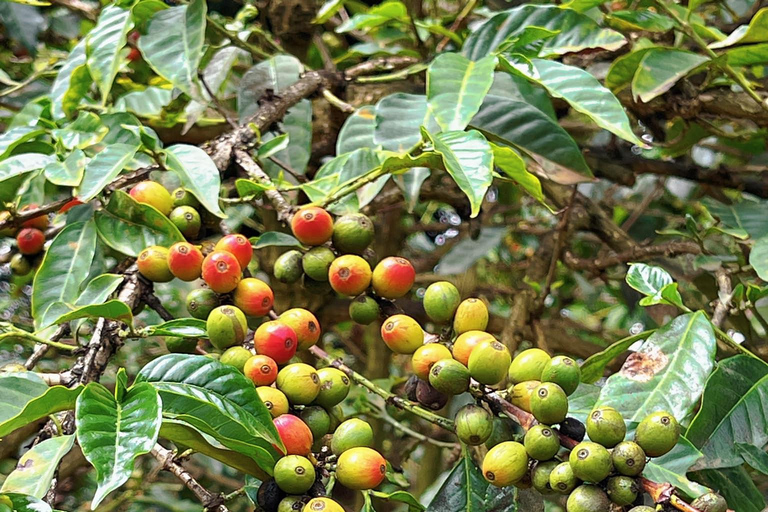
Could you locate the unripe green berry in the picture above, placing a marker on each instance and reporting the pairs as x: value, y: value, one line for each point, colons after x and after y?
x: 288, y: 267
x: 474, y: 424
x: 541, y: 442
x: 710, y: 502
x: 489, y: 362
x: 605, y: 425
x: 588, y: 498
x: 528, y: 365
x: 201, y: 301
x: 364, y: 310
x: 187, y: 220
x: 540, y: 476
x: 352, y: 233
x: 562, y: 479
x: 505, y: 464
x: 449, y: 376
x: 316, y: 263
x: 441, y: 300
x: 294, y: 474
x: 564, y: 372
x: 622, y: 490
x: 182, y: 197
x: 300, y: 383
x: 236, y: 356
x: 334, y: 387
x: 351, y: 433
x: 226, y: 326
x: 317, y: 419
x: 549, y: 404
x: 658, y: 433
x: 590, y: 462
x: 179, y: 345
x: 628, y: 458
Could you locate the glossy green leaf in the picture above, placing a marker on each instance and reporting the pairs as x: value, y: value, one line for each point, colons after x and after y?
x: 25, y: 397
x: 624, y: 67
x: 469, y: 160
x: 250, y: 188
x: 668, y: 372
x: 582, y: 401
x: 399, y: 118
x: 465, y: 253
x: 277, y: 73
x: 357, y: 130
x: 14, y: 169
x: 343, y: 170
x: 464, y: 489
x: 198, y: 174
x: 660, y: 69
x: 576, y: 31
x: 216, y: 399
x: 669, y: 294
x: 103, y: 168
x: 16, y: 136
x: 215, y: 74
x: 72, y: 82
x: 114, y: 429
x: 327, y: 10
x: 581, y: 5
x: 746, y: 215
x: 456, y: 87
x: 755, y: 32
x: 640, y: 19
x: 104, y: 46
x: 272, y: 146
x: 84, y: 131
x: 513, y: 165
x: 593, y: 367
x: 173, y: 44
x: 275, y: 239
x: 736, y: 486
x: 23, y: 503
x: 673, y: 467
x: 297, y: 123
x: 68, y: 173
x: 180, y: 327
x: 401, y: 497
x: 99, y: 289
x: 65, y: 267
x: 732, y: 410
x: 748, y: 55
x: 754, y: 456
x: 390, y: 10
x: 410, y: 183
x: 36, y: 468
x: 113, y: 309
x: 146, y: 103
x: 647, y: 279
x: 129, y: 226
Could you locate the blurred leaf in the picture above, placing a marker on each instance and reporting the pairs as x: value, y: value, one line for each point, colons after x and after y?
x: 103, y: 168
x: 758, y: 258
x: 464, y: 489
x: 36, y: 468
x: 736, y: 487
x: 327, y: 10
x: 297, y: 123
x: 357, y: 131
x: 465, y: 253
x: 23, y: 502
x: 410, y: 183
x: 25, y: 397
x: 274, y: 239
x: 23, y: 23
x: 215, y: 74
x: 15, y: 168
x: 275, y: 74
x: 104, y: 45
x: 198, y: 174
x: 756, y: 457
x: 399, y: 118
x: 746, y: 215
x: 660, y: 69
x: 146, y: 103
x: 755, y: 32
x: 645, y: 20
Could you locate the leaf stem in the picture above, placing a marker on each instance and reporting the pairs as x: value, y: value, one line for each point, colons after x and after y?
x: 341, y: 191
x: 21, y: 334
x: 236, y: 41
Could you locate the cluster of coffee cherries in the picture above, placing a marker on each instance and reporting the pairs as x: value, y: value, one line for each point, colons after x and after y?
x: 30, y: 240
x: 180, y: 206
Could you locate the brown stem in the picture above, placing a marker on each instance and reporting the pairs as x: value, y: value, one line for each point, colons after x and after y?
x: 667, y: 250
x: 724, y: 293
x: 209, y: 500
x: 244, y: 160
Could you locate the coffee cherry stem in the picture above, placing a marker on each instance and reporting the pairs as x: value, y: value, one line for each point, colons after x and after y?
x: 14, y: 332
x: 382, y: 415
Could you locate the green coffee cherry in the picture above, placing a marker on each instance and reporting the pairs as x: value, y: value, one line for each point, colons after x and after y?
x: 226, y: 326
x: 588, y: 498
x: 317, y: 419
x: 590, y: 462
x: 549, y: 405
x: 605, y: 425
x: 288, y: 267
x: 183, y: 197
x: 658, y: 433
x: 178, y: 345
x: 187, y: 220
x: 294, y: 474
x: 316, y: 263
x: 473, y: 424
x: 710, y: 502
x: 562, y: 479
x: 334, y: 387
x: 352, y: 233
x: 236, y: 356
x: 622, y: 490
x: 352, y: 433
x: 300, y: 383
x: 364, y: 310
x: 505, y: 464
x: 628, y: 458
x: 540, y: 476
x: 449, y: 376
x: 441, y: 300
x: 564, y: 372
x: 528, y: 365
x: 201, y: 301
x: 541, y: 442
x: 489, y: 362
x: 291, y: 504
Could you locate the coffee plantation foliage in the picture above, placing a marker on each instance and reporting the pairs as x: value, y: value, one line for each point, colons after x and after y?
x: 352, y: 255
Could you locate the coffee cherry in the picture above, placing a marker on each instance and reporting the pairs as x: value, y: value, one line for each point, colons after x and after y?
x: 269, y: 496
x: 588, y: 498
x: 299, y: 382
x: 187, y: 220
x: 334, y: 387
x: 471, y: 315
x: 304, y: 324
x: 276, y: 340
x: 402, y: 334
x: 317, y: 419
x: 605, y: 425
x: 221, y: 271
x: 20, y: 265
x: 287, y: 267
x: 622, y: 490
x: 364, y: 310
x: 710, y: 502
x: 473, y: 425
x: 40, y: 222
x: 573, y: 428
x: 153, y: 264
x: 505, y: 464
x: 200, y: 302
x: 642, y: 508
x: 236, y: 356
x: 562, y: 479
x: 274, y: 400
x: 564, y: 372
x: 153, y: 194
x: 549, y: 404
x: 322, y: 505
x: 312, y: 226
x: 253, y: 296
x: 429, y: 397
x: 182, y: 197
x: 503, y: 430
x: 238, y: 246
x: 628, y: 458
x: 449, y: 376
x: 185, y: 261
x: 489, y: 362
x: 295, y: 434
x: 541, y: 442
x: 179, y: 345
x: 466, y: 342
x: 441, y: 300
x: 427, y: 355
x: 361, y: 468
x: 393, y: 277
x: 30, y: 241
x: 528, y: 365
x: 291, y: 504
x: 352, y: 433
x: 540, y: 476
x: 352, y: 233
x: 520, y: 394
x: 349, y: 275
x: 226, y: 326
x: 261, y: 369
x: 658, y: 433
x: 590, y: 462
x: 294, y: 474
x: 316, y: 262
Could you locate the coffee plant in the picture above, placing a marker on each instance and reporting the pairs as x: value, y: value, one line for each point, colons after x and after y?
x: 407, y: 255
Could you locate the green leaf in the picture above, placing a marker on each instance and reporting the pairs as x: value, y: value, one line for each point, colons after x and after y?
x: 746, y: 215
x: 754, y: 456
x: 180, y: 327
x: 673, y: 467
x: 146, y: 103
x: 216, y: 399
x: 103, y: 168
x: 391, y: 10
x: 72, y: 82
x: 669, y: 294
x: 84, y: 131
x: 15, y: 168
x: 173, y: 44
x: 65, y: 267
x: 274, y: 239
x: 593, y: 367
x: 456, y: 87
x: 758, y: 258
x: 357, y: 131
x: 22, y: 23
x: 272, y: 146
x: 513, y: 165
x: 343, y: 170
x: 469, y: 160
x: 586, y: 95
x: 576, y: 31
x: 660, y: 69
x: 668, y: 372
x: 25, y: 397
x: 736, y: 487
x: 113, y: 309
x: 464, y: 489
x: 277, y: 74
x: 581, y: 5
x: 647, y: 279
x: 465, y: 253
x: 735, y: 397
x: 747, y: 55
x: 623, y: 68
x: 16, y: 136
x: 36, y: 468
x: 327, y: 10
x: 297, y: 123
x: 641, y: 19
x: 24, y: 503
x: 536, y: 134
x: 399, y: 118
x: 402, y: 497
x: 410, y: 183
x: 99, y: 289
x: 582, y: 401
x: 215, y: 74
x: 104, y: 44
x: 250, y: 188
x: 68, y: 173
x: 198, y: 174
x: 129, y: 227
x: 755, y: 32
x: 113, y: 430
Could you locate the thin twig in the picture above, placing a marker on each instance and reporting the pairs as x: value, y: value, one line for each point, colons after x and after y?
x: 456, y: 25
x: 209, y: 500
